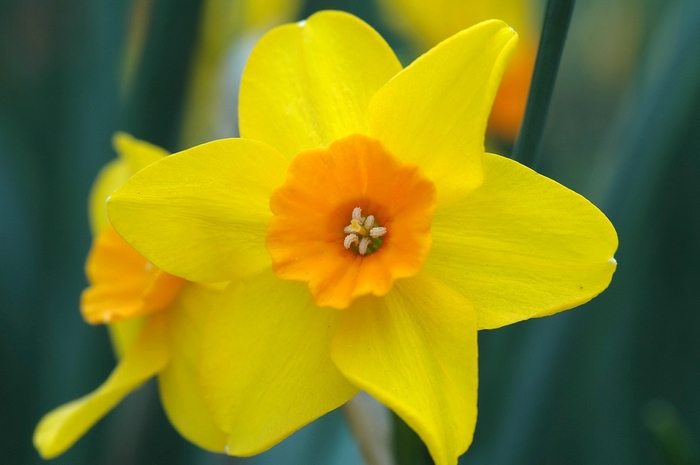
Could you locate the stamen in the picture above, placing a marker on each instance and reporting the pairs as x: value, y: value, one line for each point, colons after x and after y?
x: 357, y: 214
x: 362, y: 248
x: 363, y: 233
x: 350, y: 239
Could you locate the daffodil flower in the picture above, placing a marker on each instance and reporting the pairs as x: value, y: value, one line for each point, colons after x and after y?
x: 428, y: 23
x: 155, y: 321
x: 366, y: 234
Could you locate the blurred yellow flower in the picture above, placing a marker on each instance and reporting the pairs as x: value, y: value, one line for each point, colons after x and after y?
x: 155, y: 324
x: 368, y: 233
x: 428, y: 23
x: 223, y: 23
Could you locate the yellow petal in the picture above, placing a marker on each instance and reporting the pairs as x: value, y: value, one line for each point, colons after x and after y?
x: 137, y: 154
x: 434, y: 21
x: 434, y: 112
x: 310, y: 83
x: 110, y: 178
x: 124, y: 334
x: 522, y: 246
x: 431, y: 22
x: 202, y: 214
x: 59, y: 429
x: 266, y: 365
x: 179, y: 382
x: 415, y: 351
x: 134, y: 155
x: 262, y: 13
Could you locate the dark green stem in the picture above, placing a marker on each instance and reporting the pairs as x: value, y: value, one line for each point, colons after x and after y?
x: 154, y: 110
x: 408, y: 447
x: 556, y: 25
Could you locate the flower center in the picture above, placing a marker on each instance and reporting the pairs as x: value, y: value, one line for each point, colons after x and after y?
x: 364, y: 235
x: 347, y: 257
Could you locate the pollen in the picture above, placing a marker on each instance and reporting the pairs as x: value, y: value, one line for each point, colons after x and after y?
x: 364, y: 228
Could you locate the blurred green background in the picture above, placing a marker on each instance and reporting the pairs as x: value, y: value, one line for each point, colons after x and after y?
x: 616, y: 381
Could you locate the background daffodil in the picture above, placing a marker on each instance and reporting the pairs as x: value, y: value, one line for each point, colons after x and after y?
x: 371, y: 233
x: 155, y: 322
x: 224, y: 25
x: 428, y: 23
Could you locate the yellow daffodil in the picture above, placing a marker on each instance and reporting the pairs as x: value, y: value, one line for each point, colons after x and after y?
x: 369, y: 234
x: 155, y: 321
x: 428, y: 23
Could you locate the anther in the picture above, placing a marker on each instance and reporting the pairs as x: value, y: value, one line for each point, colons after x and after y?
x: 351, y: 239
x: 363, y: 233
x: 357, y: 214
x: 362, y: 248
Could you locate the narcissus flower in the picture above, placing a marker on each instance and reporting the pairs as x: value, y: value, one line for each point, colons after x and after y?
x: 368, y: 233
x: 428, y: 23
x: 155, y: 322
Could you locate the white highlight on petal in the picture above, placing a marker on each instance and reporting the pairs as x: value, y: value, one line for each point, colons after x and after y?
x: 350, y: 239
x: 301, y: 23
x: 362, y: 248
x: 377, y: 232
x: 613, y: 261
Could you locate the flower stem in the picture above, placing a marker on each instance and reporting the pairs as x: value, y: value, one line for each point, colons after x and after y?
x: 408, y: 447
x: 554, y: 30
x: 370, y: 424
x: 154, y: 107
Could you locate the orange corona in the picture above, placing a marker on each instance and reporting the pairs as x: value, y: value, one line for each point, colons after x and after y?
x: 350, y: 220
x: 123, y: 284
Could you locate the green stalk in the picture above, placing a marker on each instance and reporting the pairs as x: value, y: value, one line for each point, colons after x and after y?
x: 408, y: 447
x: 556, y: 25
x: 656, y: 124
x: 154, y: 109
